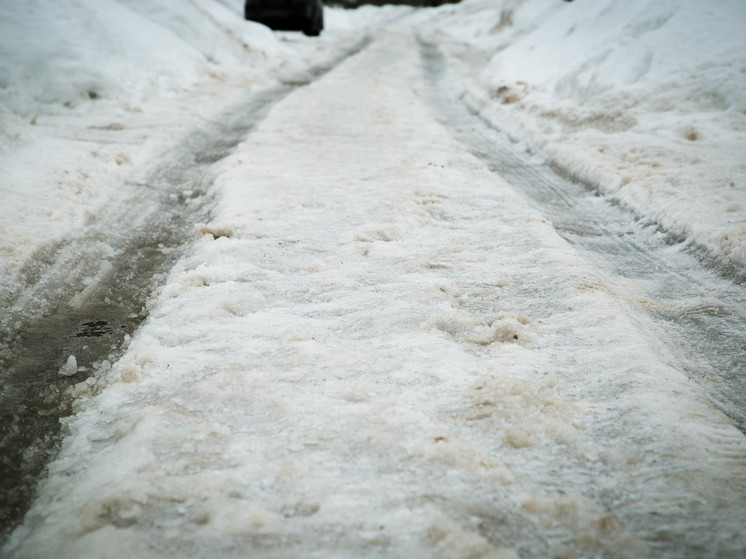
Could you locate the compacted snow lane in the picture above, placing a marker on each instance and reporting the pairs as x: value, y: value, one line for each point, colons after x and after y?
x: 378, y: 348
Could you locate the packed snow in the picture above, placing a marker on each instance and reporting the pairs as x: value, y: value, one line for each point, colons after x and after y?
x: 375, y: 347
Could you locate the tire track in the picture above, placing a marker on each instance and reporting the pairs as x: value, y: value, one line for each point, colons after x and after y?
x: 86, y: 296
x: 700, y: 308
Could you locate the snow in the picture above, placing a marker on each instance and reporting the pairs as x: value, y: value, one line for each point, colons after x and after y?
x: 645, y: 101
x: 347, y: 362
x: 70, y: 367
x: 72, y: 73
x: 90, y: 90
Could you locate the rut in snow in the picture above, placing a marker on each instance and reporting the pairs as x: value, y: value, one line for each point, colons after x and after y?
x: 84, y: 297
x: 700, y: 305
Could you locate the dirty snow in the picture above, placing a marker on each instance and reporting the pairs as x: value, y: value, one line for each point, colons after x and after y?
x: 376, y: 347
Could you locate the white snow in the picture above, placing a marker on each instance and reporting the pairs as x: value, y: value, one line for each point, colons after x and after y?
x: 645, y: 101
x: 376, y: 347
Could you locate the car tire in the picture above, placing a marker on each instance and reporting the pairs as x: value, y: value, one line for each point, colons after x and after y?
x: 314, y: 26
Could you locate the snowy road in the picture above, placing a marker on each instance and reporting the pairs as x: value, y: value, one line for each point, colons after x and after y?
x: 85, y: 295
x: 378, y: 346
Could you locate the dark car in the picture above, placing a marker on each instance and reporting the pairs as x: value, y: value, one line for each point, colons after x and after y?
x: 302, y: 15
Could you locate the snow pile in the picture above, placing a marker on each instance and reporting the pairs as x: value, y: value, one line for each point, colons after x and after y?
x: 69, y: 53
x: 645, y: 100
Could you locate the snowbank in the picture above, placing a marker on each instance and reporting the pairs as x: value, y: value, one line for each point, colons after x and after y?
x: 644, y: 100
x: 68, y: 53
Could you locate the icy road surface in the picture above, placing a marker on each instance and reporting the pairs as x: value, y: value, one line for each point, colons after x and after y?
x: 377, y: 347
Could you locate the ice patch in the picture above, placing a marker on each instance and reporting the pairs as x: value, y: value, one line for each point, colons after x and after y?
x: 69, y: 368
